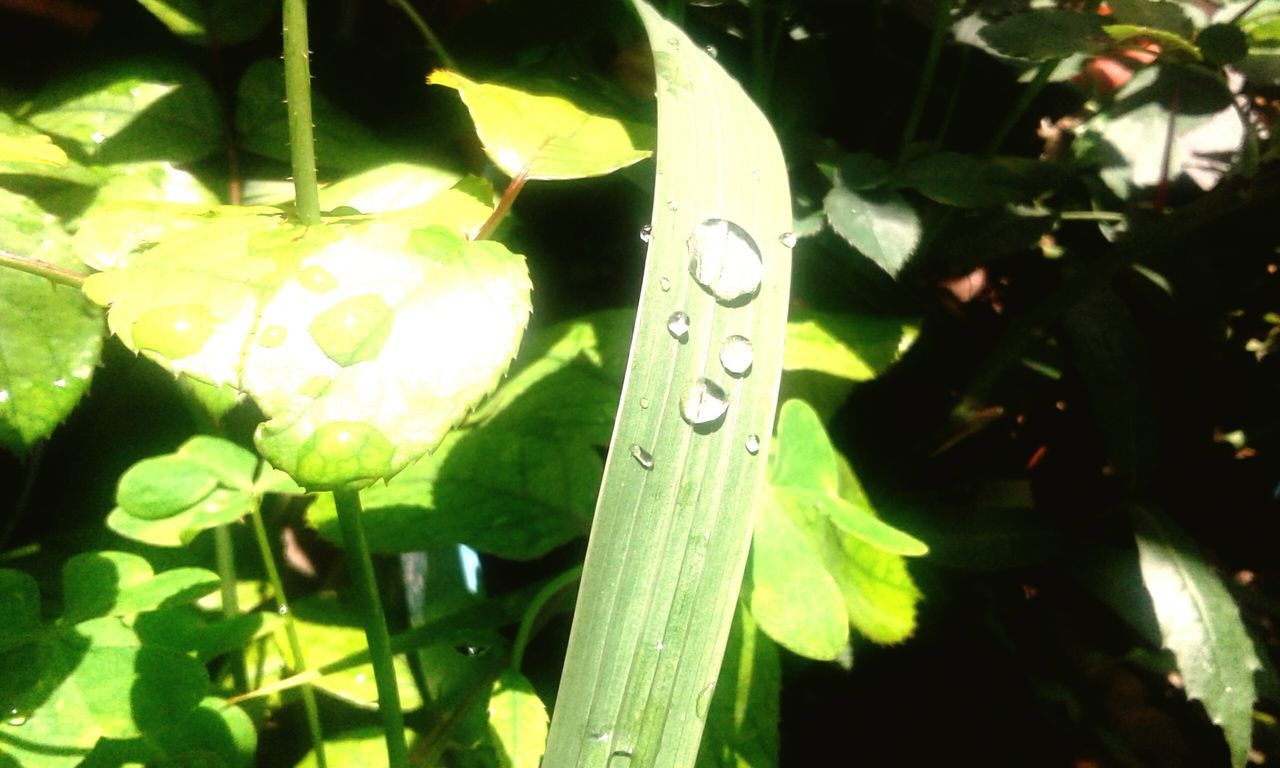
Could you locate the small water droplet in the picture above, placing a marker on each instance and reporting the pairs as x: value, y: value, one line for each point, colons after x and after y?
x: 621, y: 758
x: 60, y: 383
x: 642, y: 457
x: 753, y: 444
x: 704, y: 403
x: 704, y: 701
x: 788, y: 239
x: 660, y: 645
x: 712, y: 52
x: 644, y: 402
x: 16, y: 717
x: 678, y: 325
x: 674, y: 42
x: 273, y: 336
x: 4, y: 395
x: 672, y: 205
x: 664, y: 284
x: 175, y: 331
x: 755, y: 174
x: 354, y: 329
x: 283, y: 610
x: 736, y: 355
x: 646, y: 233
x: 212, y: 506
x: 97, y: 137
x: 599, y: 737
x: 725, y: 261
x: 360, y: 678
x: 317, y: 279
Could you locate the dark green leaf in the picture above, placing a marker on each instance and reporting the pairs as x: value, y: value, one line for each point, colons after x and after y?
x: 962, y: 180
x: 1223, y: 43
x: 883, y: 226
x: 1159, y: 14
x: 1046, y: 34
x: 121, y: 584
x: 517, y: 722
x: 742, y: 724
x: 212, y: 22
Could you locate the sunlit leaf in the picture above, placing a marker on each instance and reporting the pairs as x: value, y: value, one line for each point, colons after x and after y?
x: 212, y: 22
x: 121, y: 584
x: 882, y: 225
x: 517, y: 722
x: 365, y: 747
x: 542, y: 137
x: 847, y: 346
x: 37, y: 150
x: 390, y: 187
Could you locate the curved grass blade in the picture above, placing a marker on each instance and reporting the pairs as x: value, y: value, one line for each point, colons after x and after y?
x: 687, y: 458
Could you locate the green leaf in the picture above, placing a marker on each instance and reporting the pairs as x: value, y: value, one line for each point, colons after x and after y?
x: 542, y: 137
x: 37, y: 149
x: 1046, y: 34
x: 215, y: 730
x: 882, y: 225
x: 361, y: 364
x: 148, y: 182
x: 51, y: 162
x: 672, y: 525
x: 52, y: 337
x: 147, y: 109
x: 517, y: 721
x: 110, y: 232
x: 1160, y: 14
x: 121, y: 584
x: 953, y: 178
x: 233, y: 466
x: 20, y: 605
x: 218, y: 508
x: 1201, y: 625
x: 163, y: 486
x: 1169, y: 42
x: 365, y: 747
x: 742, y: 723
x: 390, y: 187
x: 846, y: 346
x: 262, y: 123
x: 212, y: 22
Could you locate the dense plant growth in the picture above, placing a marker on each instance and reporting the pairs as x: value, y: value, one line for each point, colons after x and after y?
x: 953, y: 434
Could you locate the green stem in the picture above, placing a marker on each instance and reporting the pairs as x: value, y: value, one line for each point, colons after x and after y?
x: 291, y: 632
x: 1115, y: 216
x: 51, y: 272
x: 504, y: 207
x: 941, y: 22
x: 297, y: 90
x: 544, y: 596
x: 375, y: 625
x: 433, y: 42
x: 1019, y: 109
x: 224, y: 553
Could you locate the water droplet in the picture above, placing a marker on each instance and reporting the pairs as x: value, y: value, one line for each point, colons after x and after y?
x: 283, y: 610
x: 678, y: 325
x: 273, y: 336
x: 753, y: 444
x: 712, y: 52
x: 736, y: 355
x: 4, y: 395
x: 664, y: 284
x: 704, y: 701
x: 97, y: 137
x: 621, y: 758
x: 341, y: 453
x: 674, y: 42
x: 644, y: 402
x: 360, y: 678
x: 646, y: 233
x: 788, y: 239
x: 704, y: 403
x: 212, y: 506
x: 16, y: 717
x: 599, y: 737
x: 174, y: 332
x: 317, y: 279
x: 354, y: 329
x: 672, y: 205
x: 725, y: 261
x: 60, y: 383
x: 642, y: 457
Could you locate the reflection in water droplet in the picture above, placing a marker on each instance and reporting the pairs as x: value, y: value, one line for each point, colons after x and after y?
x: 703, y: 403
x: 644, y: 402
x: 354, y: 329
x: 16, y: 717
x: 788, y: 239
x: 672, y: 205
x: 725, y: 261
x: 642, y: 457
x: 736, y: 355
x: 97, y: 137
x: 174, y: 332
x: 678, y: 325
x: 283, y: 610
x: 753, y: 444
x: 646, y: 233
x: 273, y: 336
x: 704, y: 701
x: 317, y: 279
x: 664, y: 284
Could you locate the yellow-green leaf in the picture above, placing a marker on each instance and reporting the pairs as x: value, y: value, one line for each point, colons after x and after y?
x: 517, y: 722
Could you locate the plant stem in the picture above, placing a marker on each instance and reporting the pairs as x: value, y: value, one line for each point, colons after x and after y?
x: 1019, y: 109
x: 225, y: 555
x: 51, y: 272
x: 433, y: 42
x: 375, y: 625
x: 1092, y: 216
x: 941, y: 18
x: 297, y: 89
x: 504, y: 206
x: 291, y: 632
x: 544, y: 596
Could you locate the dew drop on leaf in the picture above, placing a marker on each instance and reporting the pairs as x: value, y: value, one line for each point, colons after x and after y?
x: 712, y: 51
x: 642, y: 457
x: 315, y: 386
x: 736, y: 355
x: 788, y: 239
x: 317, y: 279
x: 646, y: 233
x: 704, y: 701
x: 174, y: 332
x: 664, y: 284
x: 354, y: 329
x: 273, y: 336
x: 678, y: 325
x: 621, y: 758
x: 283, y: 610
x: 704, y: 403
x: 725, y: 261
x: 16, y: 717
x: 345, y: 449
x: 644, y: 402
x: 753, y: 444
x: 672, y: 205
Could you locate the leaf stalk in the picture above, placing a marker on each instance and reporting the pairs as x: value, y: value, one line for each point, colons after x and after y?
x: 297, y: 89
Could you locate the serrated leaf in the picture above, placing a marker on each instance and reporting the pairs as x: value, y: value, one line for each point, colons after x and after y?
x: 847, y: 346
x: 363, y: 341
x: 1201, y: 625
x: 1043, y: 34
x: 111, y: 232
x: 147, y: 109
x: 742, y: 723
x: 882, y: 225
x: 212, y: 22
x: 542, y: 137
x: 50, y: 337
x: 517, y: 721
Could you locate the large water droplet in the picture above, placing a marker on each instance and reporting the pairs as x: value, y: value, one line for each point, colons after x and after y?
x: 678, y: 325
x: 725, y: 261
x: 646, y: 233
x: 273, y: 336
x: 753, y: 444
x: 788, y: 239
x: 174, y: 332
x: 341, y: 453
x: 736, y: 355
x: 16, y: 717
x: 4, y: 395
x: 704, y: 403
x: 354, y: 329
x: 317, y: 279
x: 703, y: 705
x: 642, y: 457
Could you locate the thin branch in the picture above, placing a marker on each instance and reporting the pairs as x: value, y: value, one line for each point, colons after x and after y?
x: 51, y: 272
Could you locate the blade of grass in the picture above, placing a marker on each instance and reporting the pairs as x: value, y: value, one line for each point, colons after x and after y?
x: 674, y: 515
